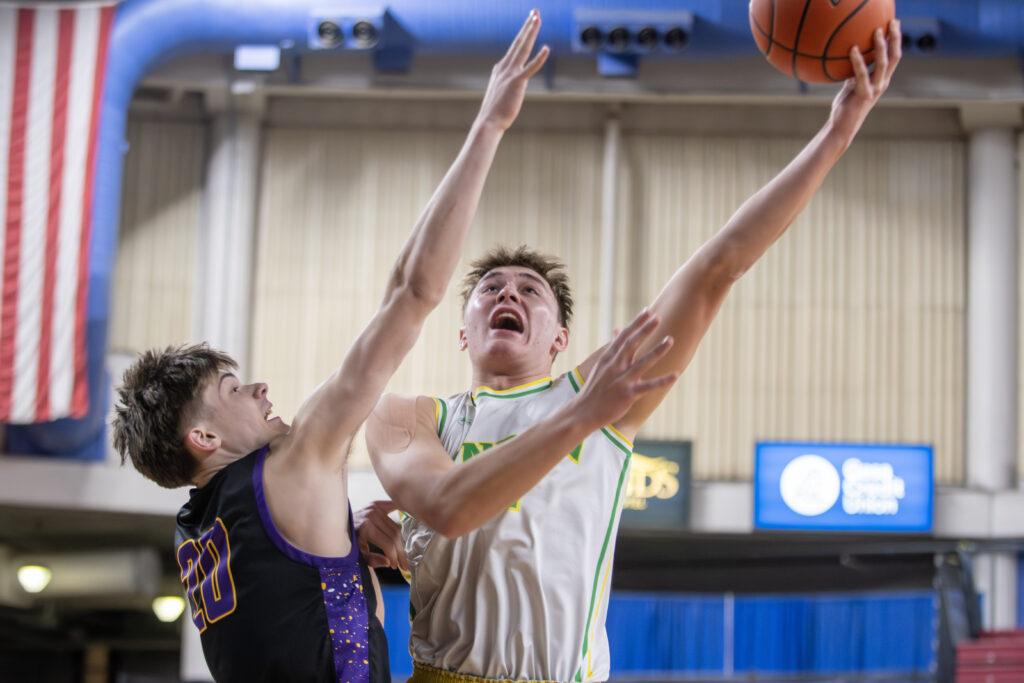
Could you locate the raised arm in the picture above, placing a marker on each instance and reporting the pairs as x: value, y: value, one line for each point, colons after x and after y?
x: 422, y: 479
x: 694, y: 294
x: 330, y: 416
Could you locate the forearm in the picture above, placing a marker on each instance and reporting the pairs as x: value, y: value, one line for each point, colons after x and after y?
x: 470, y: 494
x: 432, y: 251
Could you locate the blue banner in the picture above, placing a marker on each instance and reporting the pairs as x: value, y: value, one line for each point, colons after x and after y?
x: 666, y: 635
x: 843, y: 487
x: 1020, y: 590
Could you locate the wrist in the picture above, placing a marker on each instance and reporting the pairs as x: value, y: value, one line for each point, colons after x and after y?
x: 486, y: 125
x: 577, y: 422
x: 838, y: 135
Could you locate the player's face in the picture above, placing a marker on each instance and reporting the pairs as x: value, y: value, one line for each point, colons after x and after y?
x: 512, y: 314
x: 241, y: 413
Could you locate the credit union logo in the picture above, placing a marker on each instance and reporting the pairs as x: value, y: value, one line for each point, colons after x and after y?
x: 809, y: 485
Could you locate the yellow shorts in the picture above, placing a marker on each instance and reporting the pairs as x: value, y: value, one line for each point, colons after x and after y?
x: 423, y: 673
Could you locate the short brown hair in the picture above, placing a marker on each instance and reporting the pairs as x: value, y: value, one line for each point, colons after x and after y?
x: 548, y: 267
x: 160, y: 392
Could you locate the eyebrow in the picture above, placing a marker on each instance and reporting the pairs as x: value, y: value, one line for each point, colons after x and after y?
x: 224, y: 377
x: 499, y: 273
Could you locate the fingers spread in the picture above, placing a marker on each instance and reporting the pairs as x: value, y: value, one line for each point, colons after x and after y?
x: 881, y: 60
x: 895, y: 43
x: 647, y: 385
x: 652, y: 356
x: 637, y: 337
x: 534, y: 65
x: 523, y: 43
x: 860, y: 69
x: 622, y: 337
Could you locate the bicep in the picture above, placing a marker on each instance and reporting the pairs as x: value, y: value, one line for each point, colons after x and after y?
x: 687, y: 306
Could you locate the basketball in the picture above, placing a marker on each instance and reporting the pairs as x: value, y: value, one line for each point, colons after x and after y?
x: 811, y: 39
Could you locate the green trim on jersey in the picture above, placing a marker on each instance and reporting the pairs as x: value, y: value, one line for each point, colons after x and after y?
x: 600, y: 563
x: 440, y: 414
x: 575, y: 379
x: 514, y: 392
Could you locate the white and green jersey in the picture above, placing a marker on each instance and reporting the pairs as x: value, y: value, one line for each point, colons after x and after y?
x: 524, y: 596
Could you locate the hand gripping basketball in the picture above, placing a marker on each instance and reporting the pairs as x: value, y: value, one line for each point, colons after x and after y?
x: 811, y: 39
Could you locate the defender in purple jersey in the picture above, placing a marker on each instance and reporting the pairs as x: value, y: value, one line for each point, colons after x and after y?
x: 265, y: 544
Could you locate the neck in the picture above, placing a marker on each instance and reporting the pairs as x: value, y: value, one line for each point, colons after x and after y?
x: 507, y: 380
x: 211, y: 465
x: 216, y: 461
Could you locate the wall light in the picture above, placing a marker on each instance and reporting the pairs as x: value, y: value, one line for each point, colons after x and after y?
x: 34, y: 577
x: 168, y: 608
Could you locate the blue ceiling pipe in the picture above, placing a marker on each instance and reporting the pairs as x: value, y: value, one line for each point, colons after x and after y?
x: 148, y: 33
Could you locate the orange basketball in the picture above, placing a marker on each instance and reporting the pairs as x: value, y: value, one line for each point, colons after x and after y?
x: 811, y: 39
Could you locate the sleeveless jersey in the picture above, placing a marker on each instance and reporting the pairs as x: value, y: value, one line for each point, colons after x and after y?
x: 265, y: 610
x: 524, y: 596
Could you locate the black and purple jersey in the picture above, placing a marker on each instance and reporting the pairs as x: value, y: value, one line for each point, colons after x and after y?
x: 265, y: 610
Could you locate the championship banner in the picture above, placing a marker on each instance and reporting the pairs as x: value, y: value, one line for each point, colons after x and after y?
x: 658, y: 489
x: 52, y: 63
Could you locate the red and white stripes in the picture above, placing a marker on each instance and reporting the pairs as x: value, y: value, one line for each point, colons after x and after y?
x: 52, y: 62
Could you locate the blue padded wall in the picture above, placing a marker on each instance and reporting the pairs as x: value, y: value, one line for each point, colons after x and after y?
x: 658, y: 635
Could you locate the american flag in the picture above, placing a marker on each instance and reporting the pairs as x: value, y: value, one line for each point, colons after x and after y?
x: 52, y: 63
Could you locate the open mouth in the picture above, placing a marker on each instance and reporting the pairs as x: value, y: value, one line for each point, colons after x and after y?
x: 507, y: 320
x: 266, y: 415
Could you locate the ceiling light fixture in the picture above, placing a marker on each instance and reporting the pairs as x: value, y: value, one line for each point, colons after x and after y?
x: 34, y: 577
x: 168, y: 608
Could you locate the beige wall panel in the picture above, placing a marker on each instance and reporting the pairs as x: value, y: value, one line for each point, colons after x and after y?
x: 849, y: 329
x: 337, y: 206
x: 156, y: 254
x: 1020, y: 305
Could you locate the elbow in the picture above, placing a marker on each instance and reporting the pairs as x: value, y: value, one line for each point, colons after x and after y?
x: 725, y: 266
x: 450, y: 523
x: 424, y: 291
x: 417, y: 290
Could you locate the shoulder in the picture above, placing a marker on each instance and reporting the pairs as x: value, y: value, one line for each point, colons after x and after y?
x: 393, y: 422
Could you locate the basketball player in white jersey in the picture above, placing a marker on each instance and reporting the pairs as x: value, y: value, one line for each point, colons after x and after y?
x: 514, y: 489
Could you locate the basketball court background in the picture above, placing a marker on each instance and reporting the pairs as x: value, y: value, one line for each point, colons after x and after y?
x: 259, y: 210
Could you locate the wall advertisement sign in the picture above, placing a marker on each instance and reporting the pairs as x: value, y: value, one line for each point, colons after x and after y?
x: 843, y: 487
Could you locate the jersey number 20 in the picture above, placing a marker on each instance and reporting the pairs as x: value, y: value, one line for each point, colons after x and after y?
x: 206, y: 572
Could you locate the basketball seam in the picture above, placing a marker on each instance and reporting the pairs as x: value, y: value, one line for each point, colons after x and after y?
x: 824, y: 58
x: 799, y: 31
x: 787, y: 48
x: 824, y: 64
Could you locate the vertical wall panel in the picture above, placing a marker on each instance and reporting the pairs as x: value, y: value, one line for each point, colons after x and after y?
x: 160, y: 210
x: 1020, y: 334
x: 849, y: 329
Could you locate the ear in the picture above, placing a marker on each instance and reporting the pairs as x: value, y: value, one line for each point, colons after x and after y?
x: 463, y: 342
x: 201, y: 443
x: 561, y: 342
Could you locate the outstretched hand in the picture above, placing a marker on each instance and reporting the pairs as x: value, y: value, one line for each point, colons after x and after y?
x: 507, y: 87
x: 374, y: 526
x: 860, y: 92
x: 617, y: 379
